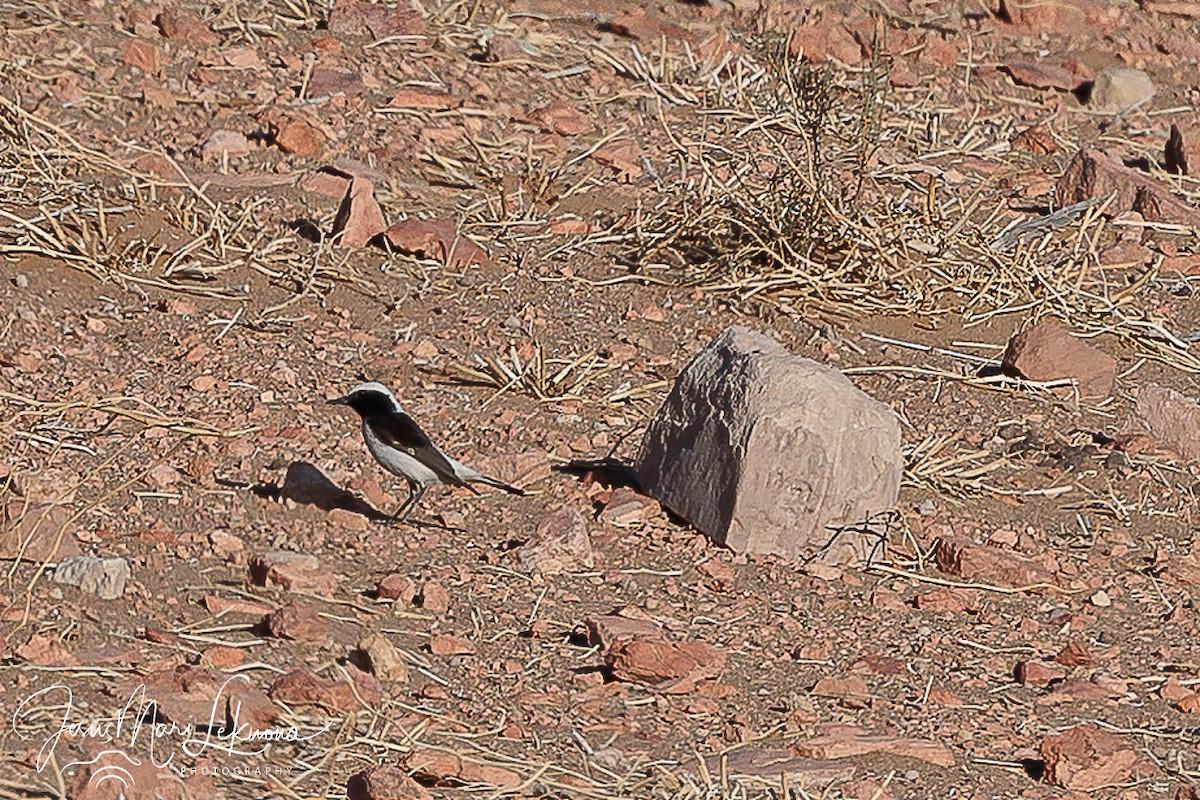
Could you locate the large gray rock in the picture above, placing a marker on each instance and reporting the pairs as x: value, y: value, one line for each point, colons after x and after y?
x: 764, y: 451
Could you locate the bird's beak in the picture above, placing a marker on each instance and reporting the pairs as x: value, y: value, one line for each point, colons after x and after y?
x: 337, y: 401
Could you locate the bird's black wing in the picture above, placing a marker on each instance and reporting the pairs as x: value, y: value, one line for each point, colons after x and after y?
x: 402, y: 432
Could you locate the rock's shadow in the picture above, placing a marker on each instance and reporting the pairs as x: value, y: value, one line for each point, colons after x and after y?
x: 307, y: 485
x: 609, y: 472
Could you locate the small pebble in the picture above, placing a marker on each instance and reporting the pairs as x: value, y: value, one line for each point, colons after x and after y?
x: 21, y: 282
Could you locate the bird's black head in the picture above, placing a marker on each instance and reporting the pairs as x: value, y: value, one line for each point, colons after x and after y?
x: 370, y: 400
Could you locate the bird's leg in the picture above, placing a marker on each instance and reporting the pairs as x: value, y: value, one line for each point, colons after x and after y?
x: 402, y: 512
x: 415, y: 493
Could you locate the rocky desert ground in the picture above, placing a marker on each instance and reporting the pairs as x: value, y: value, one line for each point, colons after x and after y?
x: 527, y: 218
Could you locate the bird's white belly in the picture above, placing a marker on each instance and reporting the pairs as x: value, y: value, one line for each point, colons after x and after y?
x: 398, y: 462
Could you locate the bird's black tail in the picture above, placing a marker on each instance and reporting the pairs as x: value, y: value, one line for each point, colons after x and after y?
x: 501, y: 485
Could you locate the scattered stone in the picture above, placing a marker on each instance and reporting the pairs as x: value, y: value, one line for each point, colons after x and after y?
x: 1119, y: 89
x: 1168, y: 417
x: 1035, y: 139
x: 1093, y: 174
x: 385, y: 782
x: 764, y: 451
x: 1125, y: 253
x: 1189, y: 704
x: 222, y: 658
x: 843, y: 741
x: 423, y: 99
x: 1139, y: 444
x: 1173, y: 691
x: 607, y: 630
x: 325, y: 182
x: 562, y: 118
x: 383, y: 660
x: 668, y: 667
x: 302, y: 687
x: 348, y: 520
x: 1047, y: 352
x: 624, y: 156
x: 1185, y: 264
x: 628, y: 509
x: 1040, y: 75
x: 296, y: 572
x: 179, y: 26
x: 379, y: 21
x: 559, y: 544
x: 397, y: 587
x: 990, y: 565
x: 225, y: 143
x: 359, y: 219
x: 887, y: 600
x: 1038, y: 673
x: 188, y: 695
x: 46, y: 652
x: 143, y: 55
x: 326, y: 82
x: 941, y: 696
x: 107, y: 773
x: 443, y: 645
x: 719, y: 571
x: 1180, y: 568
x: 1085, y: 758
x: 439, y: 768
x: 32, y: 532
x: 104, y: 577
x: 438, y: 240
x: 1065, y: 17
x: 1074, y: 654
x: 827, y: 40
x: 434, y: 598
x: 298, y: 622
x: 235, y: 605
x: 1098, y: 687
x: 850, y: 688
x: 299, y: 138
x: 772, y: 764
x: 949, y: 601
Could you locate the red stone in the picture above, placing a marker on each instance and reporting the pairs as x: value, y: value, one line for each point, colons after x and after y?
x: 1047, y: 352
x: 359, y: 219
x: 434, y: 239
x: 1085, y: 758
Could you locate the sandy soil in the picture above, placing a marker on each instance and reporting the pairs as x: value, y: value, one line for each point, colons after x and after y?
x: 638, y: 176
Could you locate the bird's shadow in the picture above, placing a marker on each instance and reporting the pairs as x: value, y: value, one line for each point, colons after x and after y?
x: 305, y: 484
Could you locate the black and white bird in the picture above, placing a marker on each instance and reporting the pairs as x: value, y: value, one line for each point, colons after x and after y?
x: 403, y: 449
